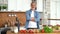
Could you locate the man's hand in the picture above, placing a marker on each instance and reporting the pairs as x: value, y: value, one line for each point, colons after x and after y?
x: 32, y: 19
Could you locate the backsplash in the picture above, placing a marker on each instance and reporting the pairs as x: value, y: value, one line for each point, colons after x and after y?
x: 10, y: 18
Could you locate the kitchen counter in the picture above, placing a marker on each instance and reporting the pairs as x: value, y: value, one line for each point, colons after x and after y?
x: 12, y: 11
x: 9, y: 32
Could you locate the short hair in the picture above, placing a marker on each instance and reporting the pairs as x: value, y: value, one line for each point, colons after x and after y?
x: 33, y: 2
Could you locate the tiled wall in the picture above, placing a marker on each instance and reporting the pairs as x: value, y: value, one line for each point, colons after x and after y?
x: 4, y: 17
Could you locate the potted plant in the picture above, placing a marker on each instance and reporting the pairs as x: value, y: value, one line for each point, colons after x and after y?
x: 4, y: 8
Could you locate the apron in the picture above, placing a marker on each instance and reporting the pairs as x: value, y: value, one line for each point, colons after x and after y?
x: 31, y: 23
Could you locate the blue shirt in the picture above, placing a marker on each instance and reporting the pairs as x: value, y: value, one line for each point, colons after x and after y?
x: 36, y: 16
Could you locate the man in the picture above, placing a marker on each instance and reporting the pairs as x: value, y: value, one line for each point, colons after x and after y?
x: 32, y: 17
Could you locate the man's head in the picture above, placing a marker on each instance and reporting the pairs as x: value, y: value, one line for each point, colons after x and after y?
x: 33, y: 5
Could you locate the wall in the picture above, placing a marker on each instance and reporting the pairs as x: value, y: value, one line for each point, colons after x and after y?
x: 23, y: 5
x: 19, y: 5
x: 4, y: 17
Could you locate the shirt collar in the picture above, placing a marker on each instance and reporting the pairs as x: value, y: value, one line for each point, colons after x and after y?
x: 31, y: 10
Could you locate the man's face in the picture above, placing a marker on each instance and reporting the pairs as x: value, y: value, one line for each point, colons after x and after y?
x: 33, y: 6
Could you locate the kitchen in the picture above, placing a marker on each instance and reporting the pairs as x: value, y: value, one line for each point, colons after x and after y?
x: 12, y: 9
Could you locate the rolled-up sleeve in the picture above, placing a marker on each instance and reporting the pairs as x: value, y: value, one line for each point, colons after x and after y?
x: 27, y: 16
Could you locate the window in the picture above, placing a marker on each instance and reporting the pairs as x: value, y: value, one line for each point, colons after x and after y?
x: 55, y: 12
x: 3, y: 5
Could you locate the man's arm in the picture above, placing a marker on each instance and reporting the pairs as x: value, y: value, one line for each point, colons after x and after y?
x: 31, y: 18
x: 37, y: 19
x: 27, y: 16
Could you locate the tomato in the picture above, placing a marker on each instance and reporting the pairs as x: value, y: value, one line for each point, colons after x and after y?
x: 23, y: 31
x: 30, y: 32
x: 42, y: 30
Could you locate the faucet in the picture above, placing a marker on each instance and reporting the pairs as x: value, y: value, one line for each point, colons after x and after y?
x: 17, y: 23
